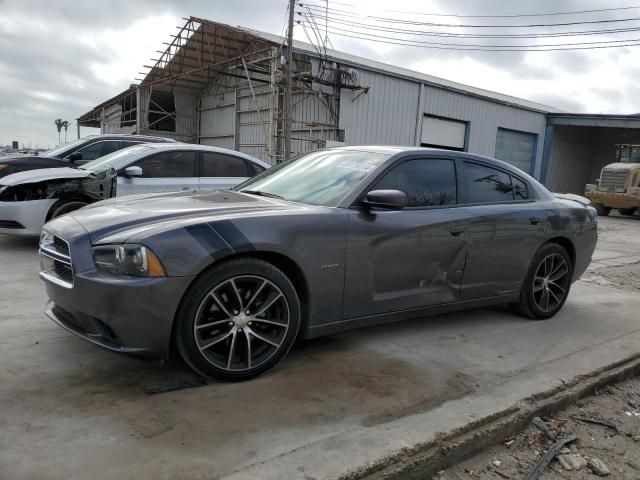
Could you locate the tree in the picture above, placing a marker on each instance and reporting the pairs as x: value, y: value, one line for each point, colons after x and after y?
x: 65, y: 124
x: 58, y: 122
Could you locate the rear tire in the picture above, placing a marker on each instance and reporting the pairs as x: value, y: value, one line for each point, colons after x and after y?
x: 62, y: 207
x: 601, y: 210
x: 627, y: 211
x: 547, y: 284
x: 238, y: 320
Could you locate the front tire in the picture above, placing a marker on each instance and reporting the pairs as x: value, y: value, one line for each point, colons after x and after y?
x: 238, y: 320
x: 601, y: 210
x: 627, y: 211
x: 547, y: 283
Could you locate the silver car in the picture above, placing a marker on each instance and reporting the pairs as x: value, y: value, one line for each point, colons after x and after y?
x: 29, y: 199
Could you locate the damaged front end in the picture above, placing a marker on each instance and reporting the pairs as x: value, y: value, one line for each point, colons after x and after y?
x: 95, y: 187
x: 25, y: 206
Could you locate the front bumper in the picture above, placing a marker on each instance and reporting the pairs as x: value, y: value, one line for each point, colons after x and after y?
x: 24, y: 219
x: 121, y: 313
x: 614, y: 199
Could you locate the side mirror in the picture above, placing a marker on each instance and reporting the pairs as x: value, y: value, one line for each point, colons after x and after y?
x: 75, y: 156
x: 131, y: 172
x: 389, y: 199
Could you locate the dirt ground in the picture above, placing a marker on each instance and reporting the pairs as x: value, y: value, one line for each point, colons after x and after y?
x: 607, y: 425
x: 608, y: 429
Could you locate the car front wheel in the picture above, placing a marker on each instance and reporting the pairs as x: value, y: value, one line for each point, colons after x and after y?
x: 238, y: 320
x: 547, y: 283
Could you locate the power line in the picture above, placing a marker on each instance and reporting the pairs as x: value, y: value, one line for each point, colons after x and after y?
x: 414, y: 43
x: 428, y: 33
x: 548, y: 14
x: 418, y: 42
x: 342, y: 13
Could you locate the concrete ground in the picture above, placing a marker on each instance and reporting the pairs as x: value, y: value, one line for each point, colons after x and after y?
x: 72, y: 410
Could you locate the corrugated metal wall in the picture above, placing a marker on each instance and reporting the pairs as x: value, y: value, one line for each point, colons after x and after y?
x: 386, y: 115
x: 484, y: 119
x: 390, y: 114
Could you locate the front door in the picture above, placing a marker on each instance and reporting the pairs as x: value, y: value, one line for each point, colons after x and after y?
x: 161, y: 172
x: 410, y: 258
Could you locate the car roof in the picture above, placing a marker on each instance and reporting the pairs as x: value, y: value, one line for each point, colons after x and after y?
x: 128, y: 136
x: 204, y: 148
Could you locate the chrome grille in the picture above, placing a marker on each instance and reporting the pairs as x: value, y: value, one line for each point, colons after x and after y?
x: 613, y: 179
x: 55, y: 260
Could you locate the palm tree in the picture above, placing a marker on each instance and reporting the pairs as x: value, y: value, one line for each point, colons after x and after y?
x: 65, y: 124
x: 58, y: 122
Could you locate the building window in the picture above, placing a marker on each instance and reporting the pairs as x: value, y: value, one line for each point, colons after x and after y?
x: 162, y: 111
x: 516, y: 148
x: 444, y: 133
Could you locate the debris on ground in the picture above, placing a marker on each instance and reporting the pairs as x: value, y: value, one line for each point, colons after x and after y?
x: 607, y: 443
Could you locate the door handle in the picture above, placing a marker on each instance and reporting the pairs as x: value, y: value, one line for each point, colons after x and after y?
x: 535, y: 220
x: 186, y: 188
x: 457, y: 230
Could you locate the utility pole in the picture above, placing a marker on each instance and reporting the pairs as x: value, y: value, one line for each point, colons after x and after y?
x: 288, y: 84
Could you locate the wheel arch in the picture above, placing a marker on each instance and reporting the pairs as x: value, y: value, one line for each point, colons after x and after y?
x: 283, y: 262
x: 568, y: 245
x: 72, y: 197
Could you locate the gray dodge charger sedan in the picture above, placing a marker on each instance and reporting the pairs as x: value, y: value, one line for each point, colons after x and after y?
x: 331, y: 240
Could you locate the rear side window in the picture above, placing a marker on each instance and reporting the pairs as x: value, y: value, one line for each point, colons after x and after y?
x: 426, y: 182
x: 486, y: 184
x: 221, y: 165
x: 520, y: 190
x: 168, y: 164
x: 99, y: 149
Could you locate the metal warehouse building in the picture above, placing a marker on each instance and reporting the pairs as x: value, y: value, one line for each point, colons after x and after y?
x: 220, y: 85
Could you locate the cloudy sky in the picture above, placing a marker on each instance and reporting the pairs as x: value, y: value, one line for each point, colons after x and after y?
x: 59, y: 59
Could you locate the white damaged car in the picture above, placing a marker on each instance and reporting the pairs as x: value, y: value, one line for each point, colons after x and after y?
x: 29, y: 199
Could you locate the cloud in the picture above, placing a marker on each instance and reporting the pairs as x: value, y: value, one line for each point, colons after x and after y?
x: 59, y: 59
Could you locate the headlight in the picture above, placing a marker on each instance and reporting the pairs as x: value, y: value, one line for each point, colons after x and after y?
x: 45, y: 237
x: 131, y: 259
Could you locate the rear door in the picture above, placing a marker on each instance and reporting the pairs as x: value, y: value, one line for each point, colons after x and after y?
x: 221, y: 170
x: 506, y: 226
x: 410, y: 258
x: 161, y: 172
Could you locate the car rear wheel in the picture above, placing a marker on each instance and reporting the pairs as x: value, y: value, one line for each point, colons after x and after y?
x: 601, y: 210
x: 627, y: 211
x: 547, y: 283
x: 238, y: 320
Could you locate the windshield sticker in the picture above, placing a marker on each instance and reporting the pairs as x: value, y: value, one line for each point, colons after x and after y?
x: 360, y: 167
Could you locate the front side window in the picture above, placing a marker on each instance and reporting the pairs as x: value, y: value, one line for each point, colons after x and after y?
x: 426, y: 182
x: 221, y: 165
x: 317, y: 178
x: 486, y: 184
x: 168, y: 164
x: 99, y: 149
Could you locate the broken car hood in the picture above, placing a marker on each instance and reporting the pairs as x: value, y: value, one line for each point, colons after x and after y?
x: 42, y: 174
x: 119, y: 217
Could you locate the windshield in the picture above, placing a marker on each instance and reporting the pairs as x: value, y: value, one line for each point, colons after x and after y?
x: 116, y: 160
x: 629, y: 153
x: 317, y: 178
x: 62, y: 149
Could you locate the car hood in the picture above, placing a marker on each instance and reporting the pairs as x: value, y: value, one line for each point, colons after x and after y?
x: 42, y: 174
x: 117, y: 219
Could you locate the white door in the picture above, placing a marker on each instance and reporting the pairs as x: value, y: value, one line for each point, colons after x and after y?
x: 161, y: 172
x: 220, y: 170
